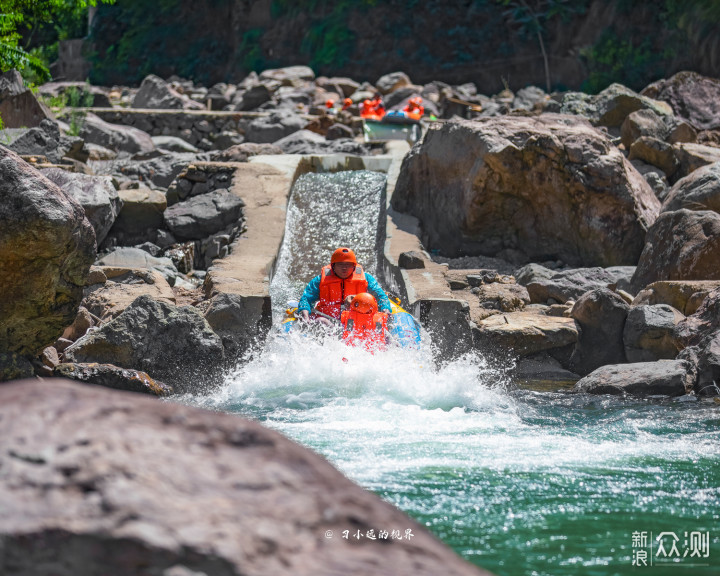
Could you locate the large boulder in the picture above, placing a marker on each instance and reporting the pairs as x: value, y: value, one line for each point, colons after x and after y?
x: 252, y: 98
x: 392, y: 82
x: 611, y: 106
x: 96, y: 194
x: 241, y: 321
x: 136, y: 258
x: 551, y: 186
x: 694, y: 97
x: 97, y: 481
x: 19, y: 108
x: 683, y: 295
x: 681, y: 245
x: 155, y: 93
x: 573, y: 283
x: 277, y: 125
x: 46, y: 140
x: 46, y: 249
x: 200, y: 216
x: 642, y: 379
x: 174, y: 345
x: 643, y: 122
x: 115, y: 137
x: 648, y: 333
x: 288, y: 76
x: 700, y: 190
x: 601, y: 315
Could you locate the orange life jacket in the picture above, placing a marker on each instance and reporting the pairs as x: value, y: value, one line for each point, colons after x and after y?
x: 366, y: 330
x: 333, y: 289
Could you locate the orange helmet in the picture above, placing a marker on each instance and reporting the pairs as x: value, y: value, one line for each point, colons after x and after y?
x: 364, y: 303
x: 343, y: 255
x: 329, y: 103
x: 347, y: 102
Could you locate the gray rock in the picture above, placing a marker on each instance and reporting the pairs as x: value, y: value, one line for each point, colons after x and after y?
x: 569, y: 284
x: 174, y: 345
x: 532, y: 273
x: 114, y: 136
x: 19, y: 108
x: 96, y: 194
x: 46, y: 249
x: 203, y: 215
x: 642, y: 123
x: 694, y: 97
x: 46, y: 140
x: 241, y: 152
x: 141, y: 214
x: 227, y: 139
x: 391, y: 82
x: 601, y: 315
x: 411, y: 260
x: 160, y: 170
x: 252, y: 98
x: 132, y: 258
x: 113, y: 377
x: 307, y: 142
x: 288, y: 76
x: 174, y: 144
x: 642, y: 379
x: 648, y: 333
x: 98, y: 482
x: 155, y: 93
x: 680, y: 245
x: 241, y: 321
x: 277, y: 125
x: 700, y: 190
x: 337, y: 131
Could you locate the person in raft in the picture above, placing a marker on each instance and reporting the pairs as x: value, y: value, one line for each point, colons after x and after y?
x: 363, y: 325
x: 337, y: 284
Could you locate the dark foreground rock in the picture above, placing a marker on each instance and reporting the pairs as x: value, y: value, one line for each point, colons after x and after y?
x: 46, y: 249
x: 642, y: 379
x: 101, y: 482
x: 174, y: 345
x: 520, y: 184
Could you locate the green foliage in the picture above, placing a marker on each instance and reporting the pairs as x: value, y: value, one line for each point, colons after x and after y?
x: 329, y: 42
x: 250, y: 52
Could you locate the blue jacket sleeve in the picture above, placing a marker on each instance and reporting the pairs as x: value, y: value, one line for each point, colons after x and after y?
x: 375, y: 289
x: 310, y: 295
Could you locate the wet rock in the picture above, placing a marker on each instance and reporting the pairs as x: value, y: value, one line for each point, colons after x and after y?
x: 655, y: 152
x: 694, y: 97
x: 642, y: 123
x: 569, y: 167
x: 648, y: 333
x: 88, y: 465
x: 526, y: 333
x: 681, y: 245
x: 571, y: 284
x: 114, y: 136
x: 203, y: 215
x: 241, y: 152
x: 392, y: 82
x: 611, y: 106
x: 694, y: 156
x: 96, y: 194
x: 46, y: 140
x: 601, y: 315
x: 685, y: 296
x: 46, y: 249
x: 113, y: 377
x: 19, y: 108
x: 642, y: 379
x: 700, y: 190
x: 123, y: 286
x: 133, y: 258
x: 448, y: 320
x: 241, y: 321
x: 155, y: 93
x: 411, y: 260
x: 277, y: 125
x: 175, y: 345
x: 543, y: 372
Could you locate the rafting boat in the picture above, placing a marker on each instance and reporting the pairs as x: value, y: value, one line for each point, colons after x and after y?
x: 395, y: 125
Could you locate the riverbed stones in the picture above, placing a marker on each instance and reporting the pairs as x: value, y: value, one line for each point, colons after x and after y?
x: 642, y: 123
x: 142, y: 211
x: 500, y: 296
x: 681, y: 245
x: 134, y: 258
x: 154, y: 92
x: 201, y: 216
x: 601, y: 315
x: 657, y: 153
x: 96, y: 194
x: 175, y: 345
x: 700, y: 190
x: 166, y: 489
x: 277, y: 125
x: 694, y: 156
x: 46, y: 249
x: 46, y: 140
x: 551, y: 187
x: 573, y: 283
x: 641, y: 379
x: 692, y: 96
x: 114, y: 136
x: 648, y: 333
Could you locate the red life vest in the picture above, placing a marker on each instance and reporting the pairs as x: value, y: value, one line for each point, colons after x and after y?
x: 366, y: 330
x: 333, y: 289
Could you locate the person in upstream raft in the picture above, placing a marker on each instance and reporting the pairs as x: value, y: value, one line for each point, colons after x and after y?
x: 337, y: 284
